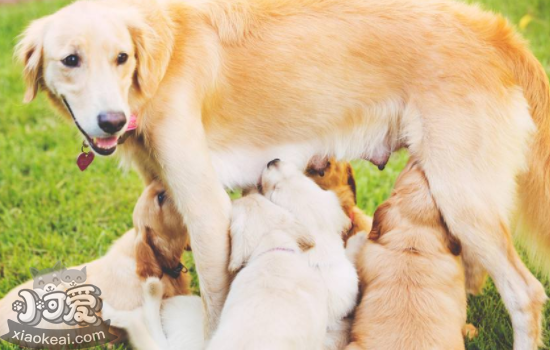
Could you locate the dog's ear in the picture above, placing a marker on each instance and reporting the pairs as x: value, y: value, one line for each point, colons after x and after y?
x: 379, y: 224
x: 238, y: 256
x: 29, y: 52
x: 153, y: 41
x: 304, y: 238
x: 147, y: 264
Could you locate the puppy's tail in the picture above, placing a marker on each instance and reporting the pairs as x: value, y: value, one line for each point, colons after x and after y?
x: 533, y: 221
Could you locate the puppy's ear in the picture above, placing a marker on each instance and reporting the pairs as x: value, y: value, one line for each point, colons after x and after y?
x: 146, y: 263
x: 151, y: 31
x: 303, y: 237
x: 238, y: 256
x: 29, y: 52
x: 379, y: 224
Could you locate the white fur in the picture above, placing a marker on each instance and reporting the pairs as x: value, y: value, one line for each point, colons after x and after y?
x: 175, y: 323
x: 321, y: 212
x: 276, y: 300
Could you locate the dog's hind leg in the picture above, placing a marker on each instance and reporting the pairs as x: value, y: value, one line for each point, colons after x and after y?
x: 471, y: 153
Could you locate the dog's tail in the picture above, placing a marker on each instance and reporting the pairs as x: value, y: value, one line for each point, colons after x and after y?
x: 533, y: 221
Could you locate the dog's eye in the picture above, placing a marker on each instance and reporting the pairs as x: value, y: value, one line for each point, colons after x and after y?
x: 161, y: 197
x: 122, y: 58
x: 67, y: 278
x: 41, y: 283
x: 79, y: 278
x: 56, y: 279
x: 71, y: 61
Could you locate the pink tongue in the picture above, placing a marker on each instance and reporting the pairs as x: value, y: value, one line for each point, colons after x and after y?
x: 107, y: 142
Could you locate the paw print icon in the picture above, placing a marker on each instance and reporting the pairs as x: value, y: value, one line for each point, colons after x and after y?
x: 40, y: 305
x: 17, y: 306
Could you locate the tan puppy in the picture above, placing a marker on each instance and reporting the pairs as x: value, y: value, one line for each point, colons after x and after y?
x: 339, y: 177
x: 153, y: 248
x: 304, y: 78
x: 414, y: 295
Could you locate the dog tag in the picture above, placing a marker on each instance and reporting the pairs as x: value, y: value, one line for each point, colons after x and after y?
x: 84, y: 158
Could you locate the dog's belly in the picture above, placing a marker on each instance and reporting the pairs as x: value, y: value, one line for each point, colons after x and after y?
x: 240, y: 166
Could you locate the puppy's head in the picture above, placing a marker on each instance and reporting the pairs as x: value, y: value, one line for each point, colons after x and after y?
x: 411, y: 203
x: 285, y: 185
x: 258, y: 225
x: 337, y: 177
x: 92, y: 58
x: 161, y: 235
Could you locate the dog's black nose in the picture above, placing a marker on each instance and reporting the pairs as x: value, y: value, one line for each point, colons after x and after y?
x: 273, y: 162
x: 111, y: 122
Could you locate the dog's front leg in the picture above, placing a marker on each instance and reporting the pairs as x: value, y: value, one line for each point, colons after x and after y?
x: 182, y: 152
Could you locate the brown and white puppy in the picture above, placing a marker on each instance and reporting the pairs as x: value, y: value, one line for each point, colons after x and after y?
x: 339, y: 177
x: 454, y: 84
x: 412, y: 278
x: 152, y: 249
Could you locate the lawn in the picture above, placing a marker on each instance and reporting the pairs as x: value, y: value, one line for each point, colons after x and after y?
x: 51, y: 211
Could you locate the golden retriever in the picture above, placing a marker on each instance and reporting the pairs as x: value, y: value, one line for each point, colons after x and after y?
x: 220, y: 87
x: 152, y: 249
x: 277, y: 300
x: 321, y: 212
x: 413, y: 287
x: 339, y: 177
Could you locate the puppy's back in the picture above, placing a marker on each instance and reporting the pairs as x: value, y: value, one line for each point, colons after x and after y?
x: 414, y: 295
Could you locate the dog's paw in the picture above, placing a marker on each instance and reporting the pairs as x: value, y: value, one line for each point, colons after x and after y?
x: 153, y: 287
x: 17, y: 306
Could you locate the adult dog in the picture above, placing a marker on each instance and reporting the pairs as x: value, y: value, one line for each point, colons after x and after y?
x: 221, y: 87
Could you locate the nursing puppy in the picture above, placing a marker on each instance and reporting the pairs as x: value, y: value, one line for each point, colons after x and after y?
x: 276, y: 301
x: 412, y: 279
x: 173, y: 323
x: 339, y: 177
x: 320, y: 211
x: 153, y: 248
x: 455, y: 85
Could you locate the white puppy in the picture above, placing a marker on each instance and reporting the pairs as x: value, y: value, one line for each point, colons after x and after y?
x: 276, y: 301
x: 320, y: 211
x: 175, y: 323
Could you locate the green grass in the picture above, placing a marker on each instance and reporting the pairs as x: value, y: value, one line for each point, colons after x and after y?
x: 51, y: 211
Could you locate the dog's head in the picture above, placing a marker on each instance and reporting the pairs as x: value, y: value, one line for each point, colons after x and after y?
x: 258, y: 225
x: 412, y: 204
x: 337, y: 177
x: 91, y: 57
x: 161, y: 235
x: 285, y: 185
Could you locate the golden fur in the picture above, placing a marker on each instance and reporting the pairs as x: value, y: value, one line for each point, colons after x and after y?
x: 339, y: 178
x: 412, y: 278
x: 120, y: 273
x: 221, y: 87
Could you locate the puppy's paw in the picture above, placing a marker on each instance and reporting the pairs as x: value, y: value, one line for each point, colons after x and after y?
x: 153, y: 287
